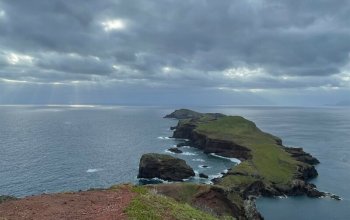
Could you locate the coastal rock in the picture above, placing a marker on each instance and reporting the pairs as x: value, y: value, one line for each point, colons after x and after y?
x: 296, y: 188
x: 164, y: 167
x: 202, y: 175
x: 184, y: 131
x: 312, y: 192
x: 300, y: 155
x: 186, y: 143
x: 306, y: 172
x: 175, y: 150
x: 335, y: 197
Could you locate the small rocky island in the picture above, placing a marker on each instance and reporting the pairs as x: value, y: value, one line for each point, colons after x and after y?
x: 267, y: 168
x: 164, y: 167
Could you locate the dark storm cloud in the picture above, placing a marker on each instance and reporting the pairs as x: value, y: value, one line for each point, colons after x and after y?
x: 297, y: 44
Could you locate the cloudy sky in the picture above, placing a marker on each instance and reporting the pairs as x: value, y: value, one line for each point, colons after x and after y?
x: 244, y: 52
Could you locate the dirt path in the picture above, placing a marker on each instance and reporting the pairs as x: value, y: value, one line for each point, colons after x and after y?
x: 94, y: 205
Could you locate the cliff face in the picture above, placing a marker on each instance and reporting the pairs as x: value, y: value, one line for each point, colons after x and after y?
x: 209, y: 145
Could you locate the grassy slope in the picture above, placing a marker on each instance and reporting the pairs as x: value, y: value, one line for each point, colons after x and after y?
x: 270, y: 162
x: 148, y: 204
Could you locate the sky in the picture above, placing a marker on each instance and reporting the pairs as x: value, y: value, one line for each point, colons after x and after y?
x: 173, y: 52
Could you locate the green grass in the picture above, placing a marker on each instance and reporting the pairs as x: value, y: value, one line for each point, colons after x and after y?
x: 183, y: 192
x: 269, y: 161
x: 150, y: 205
x: 236, y: 181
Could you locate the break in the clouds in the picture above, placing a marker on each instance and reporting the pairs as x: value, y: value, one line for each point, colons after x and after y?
x: 251, y: 45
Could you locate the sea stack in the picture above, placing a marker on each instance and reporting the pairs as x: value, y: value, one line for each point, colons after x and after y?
x: 164, y: 167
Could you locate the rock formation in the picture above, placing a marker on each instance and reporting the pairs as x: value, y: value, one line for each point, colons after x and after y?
x: 164, y: 167
x: 175, y: 150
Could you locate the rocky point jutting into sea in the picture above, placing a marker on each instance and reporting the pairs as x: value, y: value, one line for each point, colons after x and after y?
x: 267, y: 169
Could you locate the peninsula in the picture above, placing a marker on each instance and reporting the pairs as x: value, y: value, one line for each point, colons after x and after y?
x: 267, y: 167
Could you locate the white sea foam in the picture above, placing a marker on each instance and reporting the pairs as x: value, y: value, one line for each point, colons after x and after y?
x: 163, y: 138
x: 155, y: 179
x: 292, y: 146
x: 186, y: 147
x: 235, y: 160
x: 169, y: 152
x: 209, y: 182
x: 93, y: 170
x: 182, y: 139
x: 198, y: 160
x: 214, y: 176
x: 283, y: 197
x: 219, y: 175
x: 188, y: 154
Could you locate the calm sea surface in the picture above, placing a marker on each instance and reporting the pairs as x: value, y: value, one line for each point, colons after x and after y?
x: 46, y: 149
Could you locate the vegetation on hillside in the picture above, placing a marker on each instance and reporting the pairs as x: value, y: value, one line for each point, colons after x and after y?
x: 149, y: 204
x: 269, y: 162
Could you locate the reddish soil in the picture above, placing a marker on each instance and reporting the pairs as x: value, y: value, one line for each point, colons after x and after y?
x: 94, y: 205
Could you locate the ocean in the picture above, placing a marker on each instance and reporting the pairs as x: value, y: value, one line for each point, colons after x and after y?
x: 46, y: 149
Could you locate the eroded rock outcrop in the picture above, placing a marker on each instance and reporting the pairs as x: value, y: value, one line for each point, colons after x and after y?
x: 300, y: 155
x: 175, y: 150
x: 203, y: 175
x: 164, y: 167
